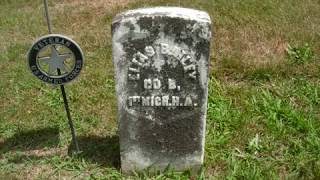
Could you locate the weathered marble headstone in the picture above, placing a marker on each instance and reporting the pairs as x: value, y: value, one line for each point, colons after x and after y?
x: 160, y: 57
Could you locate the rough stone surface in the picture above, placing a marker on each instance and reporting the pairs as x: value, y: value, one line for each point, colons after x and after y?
x: 160, y: 57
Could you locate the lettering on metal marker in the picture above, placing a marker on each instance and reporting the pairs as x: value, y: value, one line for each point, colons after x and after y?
x: 53, y: 52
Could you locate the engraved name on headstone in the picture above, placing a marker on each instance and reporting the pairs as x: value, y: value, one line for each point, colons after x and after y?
x: 160, y: 57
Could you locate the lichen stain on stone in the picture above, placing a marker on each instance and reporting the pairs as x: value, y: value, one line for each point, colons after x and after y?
x: 170, y: 138
x: 202, y: 48
x: 192, y: 33
x: 114, y: 27
x: 176, y: 130
x: 151, y: 25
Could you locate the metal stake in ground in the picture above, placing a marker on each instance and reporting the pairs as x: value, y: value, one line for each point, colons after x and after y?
x: 66, y: 106
x: 60, y: 66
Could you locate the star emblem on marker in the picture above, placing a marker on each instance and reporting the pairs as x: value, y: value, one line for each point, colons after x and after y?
x: 55, y: 61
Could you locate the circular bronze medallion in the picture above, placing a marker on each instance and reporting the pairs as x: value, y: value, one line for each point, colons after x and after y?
x: 55, y: 59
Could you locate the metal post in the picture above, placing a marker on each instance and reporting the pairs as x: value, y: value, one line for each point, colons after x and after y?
x: 47, y: 16
x: 66, y: 107
x: 63, y: 92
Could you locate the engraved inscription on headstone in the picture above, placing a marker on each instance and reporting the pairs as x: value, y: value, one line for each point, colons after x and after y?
x: 160, y: 57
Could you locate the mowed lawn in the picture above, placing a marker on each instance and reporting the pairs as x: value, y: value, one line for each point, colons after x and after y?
x: 263, y: 119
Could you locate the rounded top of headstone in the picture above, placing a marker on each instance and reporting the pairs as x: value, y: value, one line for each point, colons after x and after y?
x: 175, y: 12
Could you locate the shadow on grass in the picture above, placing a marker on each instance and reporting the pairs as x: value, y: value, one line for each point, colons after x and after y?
x: 31, y: 140
x: 102, y: 150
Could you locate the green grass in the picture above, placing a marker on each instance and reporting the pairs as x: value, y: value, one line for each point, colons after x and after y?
x: 263, y: 119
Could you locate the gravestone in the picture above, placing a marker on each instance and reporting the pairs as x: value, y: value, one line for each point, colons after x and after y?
x: 160, y: 57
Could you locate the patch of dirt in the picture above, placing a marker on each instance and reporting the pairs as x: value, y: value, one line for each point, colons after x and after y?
x: 256, y: 47
x: 47, y: 152
x: 98, y: 7
x: 97, y: 3
x: 38, y: 170
x: 88, y: 22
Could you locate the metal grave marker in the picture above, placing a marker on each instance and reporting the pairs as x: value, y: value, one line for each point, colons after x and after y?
x: 56, y: 59
x: 160, y: 57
